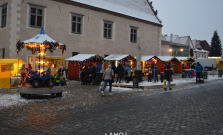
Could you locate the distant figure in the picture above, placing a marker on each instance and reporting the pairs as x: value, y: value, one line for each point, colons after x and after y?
x: 113, y: 67
x: 93, y: 73
x: 128, y: 73
x: 23, y: 74
x: 120, y: 71
x: 98, y: 68
x: 155, y: 73
x: 84, y: 75
x: 162, y: 70
x: 107, y: 77
x: 199, y: 69
x: 168, y: 76
x: 149, y: 74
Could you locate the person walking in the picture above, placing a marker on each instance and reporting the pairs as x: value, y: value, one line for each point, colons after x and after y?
x: 120, y: 71
x: 168, y: 76
x: 199, y: 69
x: 107, y: 77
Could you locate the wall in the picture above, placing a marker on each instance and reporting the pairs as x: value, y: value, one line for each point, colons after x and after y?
x: 57, y: 24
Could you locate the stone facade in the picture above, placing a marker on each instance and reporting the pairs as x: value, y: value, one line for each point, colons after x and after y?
x: 57, y: 24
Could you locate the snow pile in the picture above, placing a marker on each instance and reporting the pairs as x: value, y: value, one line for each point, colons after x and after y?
x: 7, y: 100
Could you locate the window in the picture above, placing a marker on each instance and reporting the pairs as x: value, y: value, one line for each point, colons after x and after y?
x: 108, y: 29
x: 36, y: 16
x: 76, y: 23
x: 133, y: 34
x: 3, y: 52
x: 4, y: 15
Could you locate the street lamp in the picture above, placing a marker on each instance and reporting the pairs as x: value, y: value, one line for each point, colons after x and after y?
x: 181, y: 49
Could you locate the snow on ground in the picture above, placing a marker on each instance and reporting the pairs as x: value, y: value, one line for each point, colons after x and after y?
x: 9, y: 100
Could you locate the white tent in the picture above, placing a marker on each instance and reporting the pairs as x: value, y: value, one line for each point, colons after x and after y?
x: 116, y: 57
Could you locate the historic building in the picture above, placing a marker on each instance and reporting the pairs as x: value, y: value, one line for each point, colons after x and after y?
x: 175, y: 45
x: 86, y: 26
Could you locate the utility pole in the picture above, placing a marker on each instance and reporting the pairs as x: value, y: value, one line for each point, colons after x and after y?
x: 139, y: 54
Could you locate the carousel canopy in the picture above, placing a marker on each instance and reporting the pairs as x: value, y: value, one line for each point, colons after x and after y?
x: 40, y: 38
x: 116, y: 57
x: 81, y: 57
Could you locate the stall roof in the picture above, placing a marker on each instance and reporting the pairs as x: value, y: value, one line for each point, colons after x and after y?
x: 165, y: 58
x: 116, y: 56
x: 182, y: 58
x: 40, y: 38
x: 81, y: 57
x: 146, y: 57
x: 10, y: 61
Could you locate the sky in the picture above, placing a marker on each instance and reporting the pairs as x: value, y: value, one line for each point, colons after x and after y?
x: 195, y: 18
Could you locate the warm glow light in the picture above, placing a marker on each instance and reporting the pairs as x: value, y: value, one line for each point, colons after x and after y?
x: 170, y: 50
x: 181, y: 50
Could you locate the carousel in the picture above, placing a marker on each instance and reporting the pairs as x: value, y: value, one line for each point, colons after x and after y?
x: 41, y: 81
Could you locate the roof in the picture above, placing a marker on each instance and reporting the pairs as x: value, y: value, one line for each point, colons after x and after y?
x: 10, y: 61
x: 81, y: 57
x: 183, y: 58
x: 183, y: 41
x: 203, y: 51
x: 40, y: 38
x: 116, y: 57
x: 146, y: 57
x: 165, y: 58
x: 204, y: 44
x: 134, y: 8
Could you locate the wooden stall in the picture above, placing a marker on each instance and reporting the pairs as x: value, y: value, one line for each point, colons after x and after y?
x: 123, y: 59
x: 77, y: 62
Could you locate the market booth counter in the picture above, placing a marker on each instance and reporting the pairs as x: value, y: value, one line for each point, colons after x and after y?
x: 39, y: 81
x: 77, y: 63
x: 9, y: 72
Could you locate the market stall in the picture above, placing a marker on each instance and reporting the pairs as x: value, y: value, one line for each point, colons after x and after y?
x: 124, y: 59
x: 77, y: 63
x: 146, y: 62
x: 170, y: 60
x: 9, y: 70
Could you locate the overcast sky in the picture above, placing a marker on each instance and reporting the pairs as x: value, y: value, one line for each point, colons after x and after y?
x: 196, y: 18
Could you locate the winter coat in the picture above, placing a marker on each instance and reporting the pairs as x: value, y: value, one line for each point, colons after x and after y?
x: 167, y: 74
x: 199, y: 69
x: 128, y: 71
x: 120, y: 69
x: 108, y: 74
x: 98, y: 68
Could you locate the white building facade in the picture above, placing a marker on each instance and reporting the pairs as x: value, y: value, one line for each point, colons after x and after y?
x: 98, y: 26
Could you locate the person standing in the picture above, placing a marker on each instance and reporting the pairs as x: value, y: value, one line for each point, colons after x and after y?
x: 120, y: 71
x: 93, y: 73
x: 107, y: 77
x: 23, y: 74
x: 98, y: 68
x: 168, y: 76
x: 128, y: 73
x: 162, y: 70
x: 155, y: 73
x: 149, y: 74
x: 199, y: 69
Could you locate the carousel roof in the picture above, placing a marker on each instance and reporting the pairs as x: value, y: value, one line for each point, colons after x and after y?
x: 40, y: 38
x: 81, y: 57
x: 116, y: 57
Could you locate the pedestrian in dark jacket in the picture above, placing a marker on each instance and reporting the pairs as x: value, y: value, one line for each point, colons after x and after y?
x: 168, y: 76
x: 199, y: 69
x: 93, y: 74
x: 155, y: 73
x: 120, y: 71
x: 84, y: 75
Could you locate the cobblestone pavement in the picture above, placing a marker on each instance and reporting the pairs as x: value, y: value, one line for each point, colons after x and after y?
x: 190, y: 109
